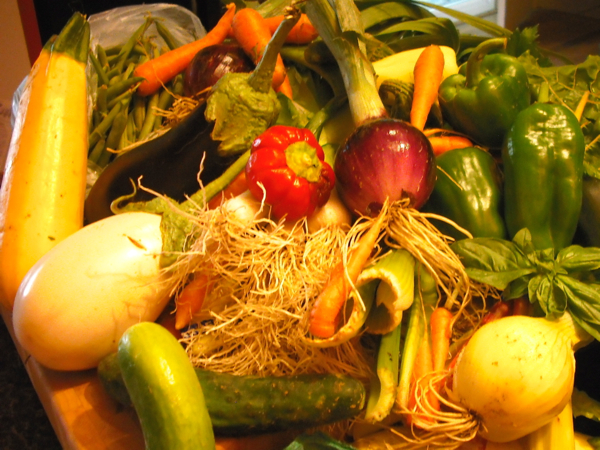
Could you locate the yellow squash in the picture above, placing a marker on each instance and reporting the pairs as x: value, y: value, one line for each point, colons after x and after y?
x: 43, y: 190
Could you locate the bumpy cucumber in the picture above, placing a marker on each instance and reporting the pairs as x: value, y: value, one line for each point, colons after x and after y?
x: 240, y: 405
x: 164, y: 389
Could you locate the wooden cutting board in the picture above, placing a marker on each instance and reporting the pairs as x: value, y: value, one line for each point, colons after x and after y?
x: 81, y: 413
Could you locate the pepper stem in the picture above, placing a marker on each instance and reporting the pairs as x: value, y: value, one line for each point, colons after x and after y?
x: 473, y: 75
x: 261, y: 77
x: 302, y: 158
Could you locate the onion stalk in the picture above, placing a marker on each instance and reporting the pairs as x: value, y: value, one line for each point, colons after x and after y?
x: 383, y: 158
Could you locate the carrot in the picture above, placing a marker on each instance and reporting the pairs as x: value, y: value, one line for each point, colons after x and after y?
x: 428, y: 73
x: 303, y: 32
x: 422, y: 372
x: 190, y: 300
x: 325, y: 312
x: 443, y: 144
x: 237, y: 186
x: 441, y: 332
x: 498, y: 310
x: 285, y: 87
x: 253, y: 35
x: 160, y: 70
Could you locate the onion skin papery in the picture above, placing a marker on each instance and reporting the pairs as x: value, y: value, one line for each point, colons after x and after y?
x: 383, y: 159
x: 516, y: 374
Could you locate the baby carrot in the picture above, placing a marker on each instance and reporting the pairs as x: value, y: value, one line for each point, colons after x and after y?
x: 325, y: 312
x: 253, y: 35
x: 190, y: 300
x: 441, y: 332
x: 302, y: 33
x: 160, y: 70
x: 428, y: 73
x: 445, y: 143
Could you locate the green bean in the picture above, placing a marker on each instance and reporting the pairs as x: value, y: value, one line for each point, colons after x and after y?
x: 167, y: 97
x: 101, y: 100
x: 102, y: 128
x: 131, y: 42
x: 125, y: 96
x: 165, y: 33
x: 102, y: 78
x: 132, y: 129
x: 97, y: 150
x: 114, y: 137
x: 139, y: 111
x: 102, y: 56
x: 122, y: 86
x: 148, y: 124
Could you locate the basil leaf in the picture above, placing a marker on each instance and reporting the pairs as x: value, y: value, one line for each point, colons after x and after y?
x: 492, y: 261
x: 517, y: 288
x: 579, y: 259
x: 585, y: 406
x: 583, y: 302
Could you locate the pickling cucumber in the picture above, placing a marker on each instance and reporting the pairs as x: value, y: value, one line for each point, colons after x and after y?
x: 241, y: 405
x: 164, y: 389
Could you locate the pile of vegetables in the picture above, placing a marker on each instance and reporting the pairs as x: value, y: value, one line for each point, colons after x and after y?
x: 327, y: 224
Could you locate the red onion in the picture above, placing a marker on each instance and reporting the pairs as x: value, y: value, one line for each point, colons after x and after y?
x: 384, y: 159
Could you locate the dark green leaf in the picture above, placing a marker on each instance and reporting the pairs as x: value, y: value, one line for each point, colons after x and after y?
x: 317, y: 441
x: 549, y: 295
x: 585, y: 406
x: 517, y: 288
x: 583, y: 303
x: 493, y: 261
x: 579, y: 259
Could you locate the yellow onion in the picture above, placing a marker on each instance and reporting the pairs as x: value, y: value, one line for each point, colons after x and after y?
x: 516, y: 374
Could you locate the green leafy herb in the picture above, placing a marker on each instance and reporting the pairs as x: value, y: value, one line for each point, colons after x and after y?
x: 555, y: 284
x: 317, y: 441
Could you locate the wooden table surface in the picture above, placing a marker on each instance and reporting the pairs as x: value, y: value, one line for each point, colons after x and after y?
x: 81, y: 413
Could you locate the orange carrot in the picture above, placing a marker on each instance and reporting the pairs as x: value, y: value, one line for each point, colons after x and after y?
x: 286, y: 88
x: 237, y: 186
x: 422, y: 372
x: 441, y: 332
x: 190, y: 300
x: 253, y: 35
x: 160, y: 70
x: 445, y: 143
x: 325, y: 312
x: 303, y: 32
x: 428, y: 73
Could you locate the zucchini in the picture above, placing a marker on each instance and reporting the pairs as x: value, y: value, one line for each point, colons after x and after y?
x: 43, y: 190
x: 164, y: 389
x: 242, y: 405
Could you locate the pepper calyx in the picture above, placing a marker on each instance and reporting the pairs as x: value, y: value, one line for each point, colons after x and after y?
x: 473, y: 74
x: 302, y: 159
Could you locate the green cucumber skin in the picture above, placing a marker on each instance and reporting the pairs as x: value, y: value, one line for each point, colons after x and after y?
x: 240, y: 405
x: 164, y: 390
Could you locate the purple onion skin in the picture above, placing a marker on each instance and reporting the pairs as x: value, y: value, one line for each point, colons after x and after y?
x: 384, y: 158
x: 211, y: 63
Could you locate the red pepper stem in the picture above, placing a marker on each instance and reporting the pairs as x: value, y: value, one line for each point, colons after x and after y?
x: 302, y: 158
x: 473, y: 75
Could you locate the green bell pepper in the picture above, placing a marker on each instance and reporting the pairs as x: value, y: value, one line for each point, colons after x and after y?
x: 468, y: 191
x: 543, y: 172
x: 483, y: 99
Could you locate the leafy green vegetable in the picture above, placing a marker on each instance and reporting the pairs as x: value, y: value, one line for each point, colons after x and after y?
x: 317, y: 441
x: 553, y: 284
x: 585, y: 406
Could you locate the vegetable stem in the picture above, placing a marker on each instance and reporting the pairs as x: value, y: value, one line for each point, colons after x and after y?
x: 342, y: 31
x: 473, y: 74
x: 261, y: 77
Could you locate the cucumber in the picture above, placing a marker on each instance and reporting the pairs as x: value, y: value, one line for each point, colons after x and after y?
x: 164, y: 389
x: 241, y: 405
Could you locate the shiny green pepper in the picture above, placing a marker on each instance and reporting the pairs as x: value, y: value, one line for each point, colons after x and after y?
x: 468, y: 191
x: 483, y: 99
x: 543, y: 172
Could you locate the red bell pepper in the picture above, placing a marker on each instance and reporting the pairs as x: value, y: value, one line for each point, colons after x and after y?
x: 287, y: 169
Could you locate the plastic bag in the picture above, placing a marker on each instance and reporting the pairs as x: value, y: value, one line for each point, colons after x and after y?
x: 115, y: 26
